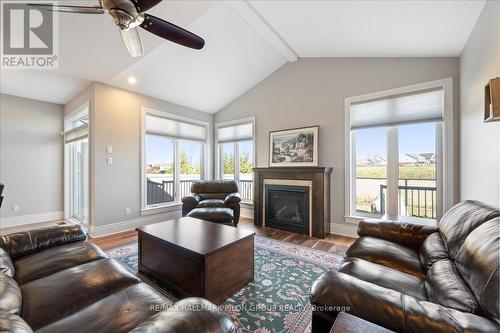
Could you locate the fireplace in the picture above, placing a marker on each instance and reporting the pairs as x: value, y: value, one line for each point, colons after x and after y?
x: 287, y: 207
x: 317, y: 182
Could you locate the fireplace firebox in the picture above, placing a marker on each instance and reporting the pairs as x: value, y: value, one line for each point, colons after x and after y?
x: 287, y: 207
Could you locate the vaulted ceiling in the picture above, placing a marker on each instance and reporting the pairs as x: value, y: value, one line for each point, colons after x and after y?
x: 246, y: 41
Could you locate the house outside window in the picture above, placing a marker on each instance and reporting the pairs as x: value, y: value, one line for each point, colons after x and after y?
x: 174, y: 156
x: 399, y: 152
x: 235, y: 154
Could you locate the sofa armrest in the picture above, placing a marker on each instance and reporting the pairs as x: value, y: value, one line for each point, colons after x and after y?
x: 232, y: 198
x: 334, y: 292
x: 191, y: 199
x: 410, y: 234
x: 22, y: 243
x: 189, y: 315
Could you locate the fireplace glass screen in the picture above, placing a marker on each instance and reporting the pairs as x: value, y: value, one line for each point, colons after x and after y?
x: 287, y: 207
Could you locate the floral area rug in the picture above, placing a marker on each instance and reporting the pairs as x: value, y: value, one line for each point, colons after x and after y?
x: 278, y: 298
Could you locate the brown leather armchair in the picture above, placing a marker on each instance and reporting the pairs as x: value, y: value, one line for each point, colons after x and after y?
x: 213, y: 200
x: 52, y: 280
x: 419, y: 277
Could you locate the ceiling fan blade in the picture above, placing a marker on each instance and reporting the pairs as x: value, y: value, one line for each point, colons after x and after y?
x: 144, y: 5
x: 69, y: 9
x: 172, y: 32
x: 132, y: 42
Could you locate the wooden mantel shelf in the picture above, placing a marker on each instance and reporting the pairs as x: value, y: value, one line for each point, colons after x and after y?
x: 320, y: 180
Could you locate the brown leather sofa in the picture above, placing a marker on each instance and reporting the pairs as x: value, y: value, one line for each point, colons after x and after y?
x: 419, y: 277
x: 52, y: 280
x: 213, y: 200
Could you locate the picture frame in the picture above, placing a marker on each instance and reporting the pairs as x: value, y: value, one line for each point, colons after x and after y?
x: 295, y: 147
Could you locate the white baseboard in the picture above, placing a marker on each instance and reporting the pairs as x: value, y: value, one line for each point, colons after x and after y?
x: 15, y: 221
x: 349, y: 230
x: 113, y: 228
x: 246, y: 212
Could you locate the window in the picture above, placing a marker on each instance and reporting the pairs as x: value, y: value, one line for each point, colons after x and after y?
x: 396, y: 145
x: 371, y: 169
x: 236, y: 154
x: 76, y: 160
x: 174, y: 157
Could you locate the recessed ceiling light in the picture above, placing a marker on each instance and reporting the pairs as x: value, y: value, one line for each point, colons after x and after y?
x: 132, y: 80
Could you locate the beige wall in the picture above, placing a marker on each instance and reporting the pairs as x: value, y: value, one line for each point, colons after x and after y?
x: 479, y: 141
x: 312, y: 92
x: 30, y: 159
x: 116, y: 122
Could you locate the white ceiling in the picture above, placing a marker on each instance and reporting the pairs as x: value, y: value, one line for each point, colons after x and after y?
x: 245, y: 43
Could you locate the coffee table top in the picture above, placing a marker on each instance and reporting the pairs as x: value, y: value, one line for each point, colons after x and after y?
x: 196, y: 235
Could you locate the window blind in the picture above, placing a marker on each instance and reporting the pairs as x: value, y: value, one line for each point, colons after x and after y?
x: 175, y: 128
x: 235, y: 133
x: 422, y: 106
x: 78, y: 133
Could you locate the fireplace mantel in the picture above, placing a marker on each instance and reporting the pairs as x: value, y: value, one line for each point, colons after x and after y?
x: 320, y: 194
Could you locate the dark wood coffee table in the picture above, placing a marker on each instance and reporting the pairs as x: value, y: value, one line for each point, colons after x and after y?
x: 197, y: 258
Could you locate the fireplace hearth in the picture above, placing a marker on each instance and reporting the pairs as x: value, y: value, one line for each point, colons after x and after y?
x: 287, y: 208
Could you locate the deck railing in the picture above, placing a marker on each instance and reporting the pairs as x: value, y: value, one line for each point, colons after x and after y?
x: 164, y: 191
x: 413, y: 200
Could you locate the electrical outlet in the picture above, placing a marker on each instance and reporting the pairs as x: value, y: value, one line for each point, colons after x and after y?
x: 127, y: 211
x: 16, y: 207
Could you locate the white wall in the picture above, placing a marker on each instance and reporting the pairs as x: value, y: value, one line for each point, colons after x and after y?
x: 312, y: 92
x: 479, y: 141
x: 116, y: 121
x: 31, y: 161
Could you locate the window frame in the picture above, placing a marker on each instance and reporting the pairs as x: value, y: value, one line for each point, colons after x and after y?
x: 444, y: 150
x: 218, y: 147
x: 172, y: 205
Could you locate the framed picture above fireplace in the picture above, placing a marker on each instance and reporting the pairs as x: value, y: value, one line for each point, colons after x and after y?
x: 294, y: 147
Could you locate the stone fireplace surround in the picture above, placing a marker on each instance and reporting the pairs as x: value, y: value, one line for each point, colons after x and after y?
x: 318, y: 181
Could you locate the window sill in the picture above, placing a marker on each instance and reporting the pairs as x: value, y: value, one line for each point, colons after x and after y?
x: 161, y: 209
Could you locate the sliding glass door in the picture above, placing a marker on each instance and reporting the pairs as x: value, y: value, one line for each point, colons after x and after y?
x: 76, y: 166
x: 79, y: 179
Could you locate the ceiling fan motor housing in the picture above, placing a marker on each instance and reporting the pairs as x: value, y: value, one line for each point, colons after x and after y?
x: 123, y: 13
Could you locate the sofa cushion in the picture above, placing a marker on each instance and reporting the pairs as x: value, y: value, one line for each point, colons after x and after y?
x: 385, y: 277
x: 215, y: 186
x: 217, y: 215
x: 479, y: 262
x: 6, y: 264
x: 432, y: 250
x: 10, y: 295
x: 55, y: 259
x: 461, y: 220
x: 127, y: 308
x: 12, y: 323
x: 23, y: 243
x: 211, y: 203
x: 445, y: 286
x: 388, y: 254
x: 61, y: 294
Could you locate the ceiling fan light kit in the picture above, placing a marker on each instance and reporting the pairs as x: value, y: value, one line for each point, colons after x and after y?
x: 130, y: 14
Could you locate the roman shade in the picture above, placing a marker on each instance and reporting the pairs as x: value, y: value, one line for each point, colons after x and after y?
x: 175, y: 128
x: 415, y: 107
x: 78, y: 133
x: 238, y: 132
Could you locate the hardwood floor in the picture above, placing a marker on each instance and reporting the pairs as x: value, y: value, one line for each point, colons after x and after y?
x: 332, y: 243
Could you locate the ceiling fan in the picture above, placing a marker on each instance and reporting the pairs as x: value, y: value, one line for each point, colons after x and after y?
x: 128, y: 15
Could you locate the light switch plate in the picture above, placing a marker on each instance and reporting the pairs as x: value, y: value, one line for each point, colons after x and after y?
x: 15, y: 207
x: 109, y: 160
x: 109, y: 149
